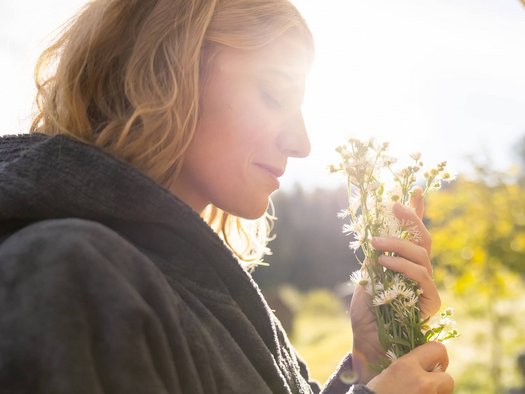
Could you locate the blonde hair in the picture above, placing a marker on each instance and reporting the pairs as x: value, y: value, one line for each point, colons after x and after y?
x: 126, y: 76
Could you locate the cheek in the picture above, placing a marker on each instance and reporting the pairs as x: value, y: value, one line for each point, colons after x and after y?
x: 229, y: 138
x: 238, y: 136
x: 253, y: 130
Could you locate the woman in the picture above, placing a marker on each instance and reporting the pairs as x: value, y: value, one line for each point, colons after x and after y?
x: 162, y: 121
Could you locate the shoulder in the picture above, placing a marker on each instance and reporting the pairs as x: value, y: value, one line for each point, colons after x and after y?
x: 68, y: 265
x: 59, y: 236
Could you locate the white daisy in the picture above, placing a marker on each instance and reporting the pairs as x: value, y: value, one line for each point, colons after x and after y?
x: 391, y: 355
x: 361, y: 278
x: 344, y: 213
x: 412, y: 231
x: 411, y: 301
x: 400, y: 287
x: 354, y: 245
x: 448, y: 324
x: 384, y: 297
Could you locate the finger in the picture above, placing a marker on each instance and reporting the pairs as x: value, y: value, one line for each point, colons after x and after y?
x: 445, y: 383
x: 429, y: 301
x: 429, y: 355
x: 403, y: 248
x: 408, y: 216
x: 406, y: 267
x: 417, y: 201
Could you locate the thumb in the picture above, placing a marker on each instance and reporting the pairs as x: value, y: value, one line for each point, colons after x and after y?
x: 417, y: 202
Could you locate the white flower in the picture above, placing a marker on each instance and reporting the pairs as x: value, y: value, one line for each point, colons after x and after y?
x: 358, y: 163
x: 373, y: 144
x: 385, y: 297
x: 391, y: 355
x: 373, y: 186
x: 416, y: 156
x: 348, y: 229
x: 391, y: 226
x: 412, y: 231
x: 435, y: 185
x: 394, y: 193
x: 388, y: 160
x: 448, y: 176
x: 361, y: 278
x: 449, y: 311
x: 401, y: 288
x: 378, y: 287
x: 343, y: 214
x: 354, y: 245
x: 411, y: 301
x: 358, y: 230
x: 448, y: 324
x: 442, y: 329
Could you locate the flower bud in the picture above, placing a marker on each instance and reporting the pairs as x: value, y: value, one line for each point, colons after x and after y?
x: 416, y: 156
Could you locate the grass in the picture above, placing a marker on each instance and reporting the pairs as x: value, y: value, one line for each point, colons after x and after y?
x: 322, y: 335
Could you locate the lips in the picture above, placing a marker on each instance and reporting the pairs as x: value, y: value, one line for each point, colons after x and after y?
x: 275, y: 171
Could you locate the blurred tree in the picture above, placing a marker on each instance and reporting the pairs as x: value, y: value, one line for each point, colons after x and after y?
x: 322, y: 332
x: 309, y: 250
x: 519, y: 150
x: 478, y: 233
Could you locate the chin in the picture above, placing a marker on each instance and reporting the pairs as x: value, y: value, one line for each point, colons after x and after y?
x: 253, y: 211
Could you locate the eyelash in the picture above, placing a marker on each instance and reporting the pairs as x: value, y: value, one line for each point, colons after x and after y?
x: 272, y: 100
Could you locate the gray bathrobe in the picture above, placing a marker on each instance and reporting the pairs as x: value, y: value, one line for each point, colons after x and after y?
x: 110, y: 284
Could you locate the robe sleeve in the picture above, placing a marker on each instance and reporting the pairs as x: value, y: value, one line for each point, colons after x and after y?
x: 342, y: 380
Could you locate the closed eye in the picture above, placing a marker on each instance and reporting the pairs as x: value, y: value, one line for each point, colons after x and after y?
x: 271, y: 100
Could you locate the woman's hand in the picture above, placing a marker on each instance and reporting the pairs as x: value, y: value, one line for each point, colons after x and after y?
x: 419, y: 372
x: 412, y: 260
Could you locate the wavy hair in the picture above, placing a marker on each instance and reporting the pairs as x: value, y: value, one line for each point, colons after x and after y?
x: 126, y: 76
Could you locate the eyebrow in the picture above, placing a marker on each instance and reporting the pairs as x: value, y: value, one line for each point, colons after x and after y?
x: 278, y: 73
x: 282, y: 74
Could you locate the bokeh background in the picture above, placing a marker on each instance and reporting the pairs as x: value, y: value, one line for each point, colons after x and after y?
x: 442, y: 77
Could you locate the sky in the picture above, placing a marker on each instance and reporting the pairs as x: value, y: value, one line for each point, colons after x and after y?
x: 442, y: 77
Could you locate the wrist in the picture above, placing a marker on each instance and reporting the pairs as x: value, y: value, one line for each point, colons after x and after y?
x: 361, y: 366
x: 363, y: 360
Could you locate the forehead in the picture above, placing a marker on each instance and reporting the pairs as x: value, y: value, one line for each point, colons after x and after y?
x: 285, y: 58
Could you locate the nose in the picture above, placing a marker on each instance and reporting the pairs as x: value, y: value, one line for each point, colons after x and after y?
x: 293, y: 140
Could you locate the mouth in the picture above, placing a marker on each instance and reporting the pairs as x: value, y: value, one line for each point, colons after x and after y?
x: 275, y: 171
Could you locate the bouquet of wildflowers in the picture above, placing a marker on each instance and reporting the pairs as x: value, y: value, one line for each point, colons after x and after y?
x: 368, y: 168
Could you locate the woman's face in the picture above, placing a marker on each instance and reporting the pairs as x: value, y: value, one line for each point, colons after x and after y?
x: 250, y: 124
